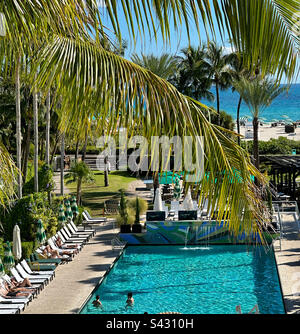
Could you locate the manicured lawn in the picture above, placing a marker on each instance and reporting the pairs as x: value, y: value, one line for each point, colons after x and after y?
x: 94, y: 195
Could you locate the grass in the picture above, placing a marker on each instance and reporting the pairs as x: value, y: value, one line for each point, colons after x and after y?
x: 94, y: 195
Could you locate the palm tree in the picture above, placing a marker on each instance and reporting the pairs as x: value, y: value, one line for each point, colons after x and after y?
x: 219, y: 70
x: 192, y: 77
x: 164, y: 66
x: 258, y: 94
x: 81, y: 174
x: 238, y: 71
x: 87, y: 73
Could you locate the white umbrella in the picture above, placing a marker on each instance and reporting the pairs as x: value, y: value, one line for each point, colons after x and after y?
x: 158, y: 206
x: 188, y: 201
x: 17, y: 247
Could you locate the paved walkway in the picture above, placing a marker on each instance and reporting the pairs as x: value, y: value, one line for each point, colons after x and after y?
x: 56, y: 179
x: 288, y: 263
x: 75, y: 281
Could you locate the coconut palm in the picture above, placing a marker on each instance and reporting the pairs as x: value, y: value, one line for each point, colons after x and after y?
x: 192, y: 78
x: 258, y: 94
x: 218, y: 68
x: 164, y: 66
x: 80, y: 173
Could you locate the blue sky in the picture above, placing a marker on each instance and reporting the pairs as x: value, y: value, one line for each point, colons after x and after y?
x: 148, y: 45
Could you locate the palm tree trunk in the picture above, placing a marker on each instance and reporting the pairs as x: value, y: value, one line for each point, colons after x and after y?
x: 255, y: 142
x: 18, y: 126
x: 85, y: 146
x: 218, y: 102
x: 26, y: 151
x: 54, y: 148
x: 62, y: 164
x: 47, y: 153
x: 79, y: 191
x: 77, y: 151
x: 238, y: 119
x: 36, y: 140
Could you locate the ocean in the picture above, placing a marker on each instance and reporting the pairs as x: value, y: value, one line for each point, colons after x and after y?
x: 287, y: 104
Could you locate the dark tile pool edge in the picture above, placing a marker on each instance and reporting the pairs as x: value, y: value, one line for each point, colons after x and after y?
x: 101, y: 280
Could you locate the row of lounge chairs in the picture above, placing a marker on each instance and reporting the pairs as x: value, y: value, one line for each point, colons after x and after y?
x: 40, y: 270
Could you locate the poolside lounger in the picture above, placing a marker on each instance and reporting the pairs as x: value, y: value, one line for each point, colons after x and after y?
x: 65, y: 239
x: 79, y: 234
x: 38, y: 256
x: 13, y: 311
x: 71, y: 236
x: 60, y: 250
x: 83, y: 229
x: 11, y: 307
x: 32, y: 278
x: 66, y: 245
x: 40, y: 267
x: 49, y: 273
x: 88, y: 217
x: 39, y: 285
x: 33, y: 291
x: 4, y: 299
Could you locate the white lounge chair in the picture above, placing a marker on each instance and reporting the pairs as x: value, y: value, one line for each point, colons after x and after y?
x: 32, y: 278
x: 60, y: 250
x: 73, y: 237
x: 98, y: 219
x: 45, y: 273
x: 31, y: 290
x: 79, y: 234
x: 67, y: 241
x: 84, y: 229
x: 10, y: 311
x: 39, y: 284
x: 15, y: 299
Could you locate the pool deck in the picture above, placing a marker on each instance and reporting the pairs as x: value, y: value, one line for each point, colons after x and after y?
x: 288, y: 264
x: 75, y: 281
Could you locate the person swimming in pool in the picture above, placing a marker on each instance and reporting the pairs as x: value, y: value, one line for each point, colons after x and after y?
x: 97, y: 302
x: 130, y: 300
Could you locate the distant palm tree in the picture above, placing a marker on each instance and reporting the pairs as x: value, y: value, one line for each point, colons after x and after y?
x: 192, y: 77
x: 218, y: 67
x: 258, y: 94
x: 238, y: 71
x: 164, y: 66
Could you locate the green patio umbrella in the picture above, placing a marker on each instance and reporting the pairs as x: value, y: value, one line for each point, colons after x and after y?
x: 40, y: 233
x: 8, y: 259
x: 69, y: 213
x: 61, y: 216
x: 177, y: 189
x: 2, y: 272
x: 74, y: 206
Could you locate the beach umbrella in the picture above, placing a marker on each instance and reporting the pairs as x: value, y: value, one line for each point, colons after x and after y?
x: 40, y: 233
x: 17, y: 246
x: 2, y: 272
x: 69, y: 213
x: 188, y: 201
x: 61, y: 215
x: 8, y: 259
x: 157, y: 201
x: 74, y: 206
x: 177, y: 189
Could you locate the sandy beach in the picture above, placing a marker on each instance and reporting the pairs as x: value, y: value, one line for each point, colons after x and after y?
x: 266, y: 132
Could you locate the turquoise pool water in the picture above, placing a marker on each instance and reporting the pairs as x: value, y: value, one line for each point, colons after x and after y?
x: 191, y: 281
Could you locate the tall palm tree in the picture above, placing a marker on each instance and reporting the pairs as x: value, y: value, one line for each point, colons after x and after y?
x: 164, y: 66
x: 218, y: 67
x: 192, y: 78
x: 258, y: 94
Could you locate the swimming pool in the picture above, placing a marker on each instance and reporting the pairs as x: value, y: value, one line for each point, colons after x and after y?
x: 195, y: 280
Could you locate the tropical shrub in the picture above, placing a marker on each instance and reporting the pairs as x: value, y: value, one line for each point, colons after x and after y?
x: 45, y: 181
x: 143, y: 205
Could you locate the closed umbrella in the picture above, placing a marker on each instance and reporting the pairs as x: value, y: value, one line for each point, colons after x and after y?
x: 40, y: 233
x: 157, y: 201
x: 2, y: 272
x: 74, y: 206
x: 188, y: 201
x: 17, y: 246
x: 61, y: 215
x: 69, y: 213
x: 8, y: 259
